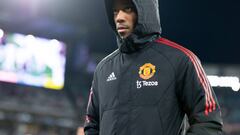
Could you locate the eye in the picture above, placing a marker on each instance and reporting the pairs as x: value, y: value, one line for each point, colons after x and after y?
x: 115, y: 12
x: 128, y: 9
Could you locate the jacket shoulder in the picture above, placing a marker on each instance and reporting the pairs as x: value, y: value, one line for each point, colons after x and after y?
x: 168, y: 47
x: 176, y: 54
x: 107, y: 59
x: 173, y: 50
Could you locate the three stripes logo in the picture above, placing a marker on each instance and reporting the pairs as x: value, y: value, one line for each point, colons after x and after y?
x: 111, y: 77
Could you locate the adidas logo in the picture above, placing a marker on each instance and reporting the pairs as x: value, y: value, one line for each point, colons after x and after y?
x: 111, y: 77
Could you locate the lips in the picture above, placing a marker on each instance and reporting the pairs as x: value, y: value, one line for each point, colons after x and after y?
x: 122, y: 29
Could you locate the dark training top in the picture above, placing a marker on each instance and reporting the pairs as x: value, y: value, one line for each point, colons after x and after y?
x: 149, y: 83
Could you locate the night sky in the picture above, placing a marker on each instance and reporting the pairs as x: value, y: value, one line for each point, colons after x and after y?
x: 209, y: 28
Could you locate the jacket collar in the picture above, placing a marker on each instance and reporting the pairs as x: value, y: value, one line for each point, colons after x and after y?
x: 133, y: 43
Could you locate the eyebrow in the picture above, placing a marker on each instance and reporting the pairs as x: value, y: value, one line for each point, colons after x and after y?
x: 124, y: 5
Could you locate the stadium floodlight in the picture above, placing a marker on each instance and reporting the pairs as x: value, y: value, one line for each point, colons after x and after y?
x: 225, y: 81
x: 55, y: 41
x: 23, y: 60
x: 30, y: 37
x: 1, y: 33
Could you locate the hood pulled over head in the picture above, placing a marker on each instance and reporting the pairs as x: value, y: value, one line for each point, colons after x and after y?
x: 147, y: 27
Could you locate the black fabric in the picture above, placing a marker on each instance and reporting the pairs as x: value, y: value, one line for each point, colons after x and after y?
x: 149, y: 84
x: 132, y: 43
x: 129, y: 104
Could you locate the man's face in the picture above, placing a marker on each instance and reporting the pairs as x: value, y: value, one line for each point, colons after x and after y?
x: 125, y: 17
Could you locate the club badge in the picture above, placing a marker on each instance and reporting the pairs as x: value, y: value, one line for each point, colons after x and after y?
x: 147, y: 71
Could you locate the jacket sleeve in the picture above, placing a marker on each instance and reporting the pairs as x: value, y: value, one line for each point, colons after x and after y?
x: 91, y: 125
x: 198, y: 99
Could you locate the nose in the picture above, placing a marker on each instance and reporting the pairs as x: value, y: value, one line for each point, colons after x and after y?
x: 120, y: 16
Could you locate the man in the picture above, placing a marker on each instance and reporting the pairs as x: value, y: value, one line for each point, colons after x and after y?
x: 149, y: 83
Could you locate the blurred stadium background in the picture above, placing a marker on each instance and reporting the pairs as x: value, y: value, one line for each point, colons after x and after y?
x: 44, y: 90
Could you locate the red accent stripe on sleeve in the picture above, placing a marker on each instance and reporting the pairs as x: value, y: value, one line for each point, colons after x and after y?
x: 210, y: 103
x: 88, y: 119
x: 90, y: 98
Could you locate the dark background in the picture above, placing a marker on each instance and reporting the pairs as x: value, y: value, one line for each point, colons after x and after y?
x: 208, y: 28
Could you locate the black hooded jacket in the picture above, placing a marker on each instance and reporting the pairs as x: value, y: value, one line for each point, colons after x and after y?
x: 149, y: 83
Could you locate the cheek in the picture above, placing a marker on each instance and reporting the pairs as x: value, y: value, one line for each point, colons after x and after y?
x: 114, y: 18
x: 133, y: 19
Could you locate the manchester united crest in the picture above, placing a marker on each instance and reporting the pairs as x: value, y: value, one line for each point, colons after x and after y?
x: 147, y: 71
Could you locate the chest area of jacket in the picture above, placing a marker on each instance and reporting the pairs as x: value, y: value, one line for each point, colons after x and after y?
x: 141, y: 81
